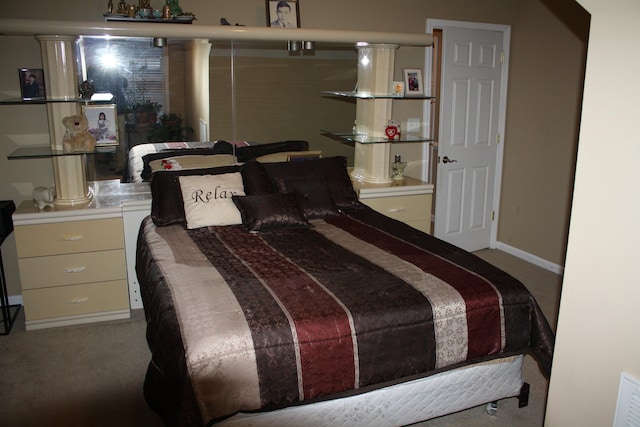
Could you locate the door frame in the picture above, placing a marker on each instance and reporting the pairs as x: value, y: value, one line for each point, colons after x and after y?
x: 502, y: 113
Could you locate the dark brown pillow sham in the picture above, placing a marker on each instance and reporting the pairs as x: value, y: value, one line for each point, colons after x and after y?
x: 256, y: 180
x: 269, y: 212
x: 167, y: 206
x: 332, y: 169
x: 313, y: 195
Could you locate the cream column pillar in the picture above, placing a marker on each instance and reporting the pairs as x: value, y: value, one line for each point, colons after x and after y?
x: 198, y: 88
x: 375, y: 76
x: 60, y: 74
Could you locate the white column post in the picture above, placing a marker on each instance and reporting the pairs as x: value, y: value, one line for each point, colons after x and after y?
x: 375, y: 76
x: 61, y: 81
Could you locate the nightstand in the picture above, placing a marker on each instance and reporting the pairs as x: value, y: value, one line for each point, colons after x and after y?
x: 407, y: 200
x: 72, y: 262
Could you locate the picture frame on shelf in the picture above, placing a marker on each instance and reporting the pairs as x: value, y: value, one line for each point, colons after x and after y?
x: 413, y: 82
x: 397, y: 89
x: 32, y: 85
x: 283, y: 14
x: 103, y: 123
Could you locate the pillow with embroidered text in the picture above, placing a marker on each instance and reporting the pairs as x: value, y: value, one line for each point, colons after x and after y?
x: 207, y: 199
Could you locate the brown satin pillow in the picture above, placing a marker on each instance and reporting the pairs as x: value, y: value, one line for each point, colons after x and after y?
x: 167, y: 206
x: 270, y: 212
x: 333, y: 169
x: 256, y: 180
x: 313, y: 195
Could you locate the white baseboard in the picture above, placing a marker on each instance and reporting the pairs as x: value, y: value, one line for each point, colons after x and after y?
x: 533, y: 259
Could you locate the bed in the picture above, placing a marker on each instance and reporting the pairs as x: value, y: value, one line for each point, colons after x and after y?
x: 291, y: 303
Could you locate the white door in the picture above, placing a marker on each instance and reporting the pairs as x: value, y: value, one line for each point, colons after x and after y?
x: 470, y: 125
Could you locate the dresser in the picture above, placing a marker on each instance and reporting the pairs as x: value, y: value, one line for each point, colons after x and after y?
x: 72, y: 262
x: 407, y: 200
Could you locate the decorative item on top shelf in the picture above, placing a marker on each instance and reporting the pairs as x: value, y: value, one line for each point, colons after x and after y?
x: 397, y: 168
x: 413, y: 82
x: 32, y: 83
x: 393, y: 129
x: 77, y: 137
x: 87, y: 89
x: 283, y: 14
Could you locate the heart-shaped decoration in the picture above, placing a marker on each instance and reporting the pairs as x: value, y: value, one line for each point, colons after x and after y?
x: 391, y: 132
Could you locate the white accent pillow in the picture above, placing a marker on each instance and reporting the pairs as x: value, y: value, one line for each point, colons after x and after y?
x: 207, y: 199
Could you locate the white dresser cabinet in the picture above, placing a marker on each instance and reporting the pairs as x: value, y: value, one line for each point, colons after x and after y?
x: 72, y: 265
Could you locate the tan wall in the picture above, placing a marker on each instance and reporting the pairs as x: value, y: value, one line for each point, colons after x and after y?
x: 533, y: 220
x: 545, y: 87
x: 597, y: 336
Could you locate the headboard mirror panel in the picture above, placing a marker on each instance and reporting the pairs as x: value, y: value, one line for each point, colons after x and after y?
x: 261, y: 92
x: 257, y: 91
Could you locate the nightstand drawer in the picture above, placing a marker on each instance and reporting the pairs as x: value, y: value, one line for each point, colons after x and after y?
x: 70, y: 269
x: 69, y: 237
x: 75, y: 300
x: 403, y: 208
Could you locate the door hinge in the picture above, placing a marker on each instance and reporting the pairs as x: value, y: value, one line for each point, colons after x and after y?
x: 497, y: 138
x: 493, y: 215
x: 502, y: 57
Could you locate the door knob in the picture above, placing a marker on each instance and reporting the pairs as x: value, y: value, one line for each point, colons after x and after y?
x: 446, y: 159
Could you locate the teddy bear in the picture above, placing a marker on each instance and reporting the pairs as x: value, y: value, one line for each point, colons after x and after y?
x: 77, y: 136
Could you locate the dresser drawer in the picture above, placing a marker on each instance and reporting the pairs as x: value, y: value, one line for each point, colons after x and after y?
x: 402, y: 208
x: 69, y: 237
x: 75, y: 299
x: 71, y: 269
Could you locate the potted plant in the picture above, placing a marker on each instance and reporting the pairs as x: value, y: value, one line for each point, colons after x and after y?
x: 169, y: 128
x: 146, y: 111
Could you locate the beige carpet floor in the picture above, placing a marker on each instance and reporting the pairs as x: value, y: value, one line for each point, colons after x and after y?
x: 92, y: 375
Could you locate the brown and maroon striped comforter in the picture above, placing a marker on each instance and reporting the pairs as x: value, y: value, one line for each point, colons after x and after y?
x: 241, y: 322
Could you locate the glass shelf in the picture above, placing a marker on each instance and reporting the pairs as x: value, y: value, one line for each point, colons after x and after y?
x: 47, y: 152
x: 96, y: 98
x: 369, y: 95
x: 350, y: 136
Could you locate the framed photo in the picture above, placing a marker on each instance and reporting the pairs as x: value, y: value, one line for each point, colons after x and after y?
x: 283, y: 14
x: 32, y: 83
x: 103, y: 123
x: 397, y: 89
x: 413, y: 82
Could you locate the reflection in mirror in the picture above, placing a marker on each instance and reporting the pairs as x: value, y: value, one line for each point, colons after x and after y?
x: 259, y: 92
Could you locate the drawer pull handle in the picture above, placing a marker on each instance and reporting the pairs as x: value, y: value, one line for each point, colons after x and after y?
x: 393, y: 210
x: 79, y: 300
x: 72, y: 238
x: 75, y: 270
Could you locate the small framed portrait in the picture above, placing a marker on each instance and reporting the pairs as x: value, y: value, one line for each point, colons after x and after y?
x: 103, y: 123
x: 397, y: 89
x: 32, y: 83
x: 283, y: 14
x: 413, y: 82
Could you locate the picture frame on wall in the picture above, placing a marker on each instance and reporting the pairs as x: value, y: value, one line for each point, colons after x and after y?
x: 103, y: 123
x: 283, y: 14
x: 413, y: 82
x: 32, y: 83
